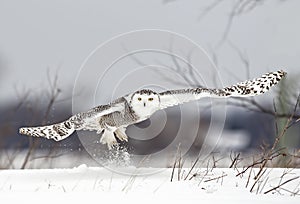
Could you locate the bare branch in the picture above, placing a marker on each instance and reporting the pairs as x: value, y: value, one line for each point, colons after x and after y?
x: 216, y: 178
x: 272, y: 189
x: 286, y: 127
x: 53, y: 95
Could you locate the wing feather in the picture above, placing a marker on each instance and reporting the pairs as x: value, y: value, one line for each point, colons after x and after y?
x: 87, y: 121
x: 176, y: 97
x: 243, y: 89
x: 90, y: 120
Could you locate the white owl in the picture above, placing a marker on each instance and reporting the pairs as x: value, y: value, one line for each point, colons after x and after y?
x: 111, y: 120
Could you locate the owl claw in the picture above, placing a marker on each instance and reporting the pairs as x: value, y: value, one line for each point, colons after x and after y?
x: 121, y: 135
x: 109, y: 139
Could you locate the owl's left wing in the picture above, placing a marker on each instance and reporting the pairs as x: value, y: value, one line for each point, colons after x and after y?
x: 243, y: 89
x: 89, y: 120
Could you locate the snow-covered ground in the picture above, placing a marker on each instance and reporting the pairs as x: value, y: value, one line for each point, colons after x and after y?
x: 83, y: 183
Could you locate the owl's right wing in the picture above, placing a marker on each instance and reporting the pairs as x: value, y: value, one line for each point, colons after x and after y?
x: 89, y: 120
x: 86, y: 120
x: 243, y: 89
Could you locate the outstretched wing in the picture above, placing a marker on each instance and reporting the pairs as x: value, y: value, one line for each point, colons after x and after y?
x: 90, y: 120
x: 243, y: 89
x: 56, y: 132
x: 87, y: 121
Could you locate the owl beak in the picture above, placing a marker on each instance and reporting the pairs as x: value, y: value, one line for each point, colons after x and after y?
x: 144, y: 104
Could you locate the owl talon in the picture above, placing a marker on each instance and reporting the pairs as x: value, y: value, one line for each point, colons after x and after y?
x: 109, y: 139
x: 121, y: 135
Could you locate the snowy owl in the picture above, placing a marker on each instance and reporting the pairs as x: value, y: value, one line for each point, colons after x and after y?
x: 111, y: 120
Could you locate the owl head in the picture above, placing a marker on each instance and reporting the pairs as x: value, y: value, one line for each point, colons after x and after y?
x: 145, y: 102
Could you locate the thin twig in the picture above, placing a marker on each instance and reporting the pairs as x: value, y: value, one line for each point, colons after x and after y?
x: 286, y: 127
x: 193, y: 166
x: 272, y: 189
x: 175, y: 162
x: 235, y: 160
x: 215, y: 178
x: 257, y: 180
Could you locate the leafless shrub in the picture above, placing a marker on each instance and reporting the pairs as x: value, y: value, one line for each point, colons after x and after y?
x: 270, y: 155
x: 281, y: 183
x: 33, y: 106
x: 6, y: 128
x: 52, y: 94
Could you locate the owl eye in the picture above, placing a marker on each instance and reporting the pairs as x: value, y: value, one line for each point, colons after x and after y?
x: 139, y: 98
x: 150, y: 99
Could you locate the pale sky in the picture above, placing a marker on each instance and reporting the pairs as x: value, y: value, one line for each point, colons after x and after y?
x: 60, y: 34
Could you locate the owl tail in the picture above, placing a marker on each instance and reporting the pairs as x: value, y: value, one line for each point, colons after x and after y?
x: 256, y: 86
x: 56, y: 132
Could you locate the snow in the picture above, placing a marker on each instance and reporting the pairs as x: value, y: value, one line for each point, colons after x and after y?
x: 85, y: 183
